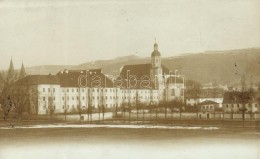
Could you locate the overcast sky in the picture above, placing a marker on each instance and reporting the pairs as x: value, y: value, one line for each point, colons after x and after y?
x: 74, y: 32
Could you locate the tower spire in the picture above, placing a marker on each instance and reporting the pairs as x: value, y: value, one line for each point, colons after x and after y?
x: 155, y: 46
x: 22, y: 73
x: 11, y: 72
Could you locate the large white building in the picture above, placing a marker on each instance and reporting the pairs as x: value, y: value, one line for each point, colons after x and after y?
x: 71, y: 90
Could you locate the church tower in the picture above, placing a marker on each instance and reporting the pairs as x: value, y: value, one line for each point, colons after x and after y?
x: 22, y: 73
x: 156, y: 68
x: 11, y: 73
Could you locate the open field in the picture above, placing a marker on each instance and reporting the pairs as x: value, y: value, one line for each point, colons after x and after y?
x: 124, y: 142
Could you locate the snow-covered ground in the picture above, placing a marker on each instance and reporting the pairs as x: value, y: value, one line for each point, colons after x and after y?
x: 109, y: 126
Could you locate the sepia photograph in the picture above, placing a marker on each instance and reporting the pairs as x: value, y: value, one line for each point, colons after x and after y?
x: 130, y: 79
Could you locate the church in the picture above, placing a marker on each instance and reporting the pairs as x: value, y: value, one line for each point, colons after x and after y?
x: 169, y: 85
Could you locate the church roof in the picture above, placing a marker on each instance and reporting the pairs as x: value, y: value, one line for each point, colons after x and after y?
x: 156, y: 53
x: 139, y: 70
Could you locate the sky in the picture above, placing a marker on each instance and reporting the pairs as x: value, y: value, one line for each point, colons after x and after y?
x: 52, y: 32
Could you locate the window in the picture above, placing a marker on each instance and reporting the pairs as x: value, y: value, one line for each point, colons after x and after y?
x: 68, y: 98
x: 72, y: 90
x: 226, y: 106
x: 43, y: 89
x: 62, y: 98
x: 53, y: 98
x: 173, y: 92
x: 48, y: 89
x: 68, y: 90
x: 77, y: 90
x: 53, y: 89
x: 83, y: 98
x: 43, y: 98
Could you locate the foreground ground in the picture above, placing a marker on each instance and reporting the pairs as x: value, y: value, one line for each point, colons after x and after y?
x: 59, y: 140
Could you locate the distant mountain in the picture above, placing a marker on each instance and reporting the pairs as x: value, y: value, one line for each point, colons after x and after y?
x: 47, y: 69
x: 225, y: 67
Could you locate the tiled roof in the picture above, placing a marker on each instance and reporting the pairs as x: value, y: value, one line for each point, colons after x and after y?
x: 83, y: 78
x: 39, y: 79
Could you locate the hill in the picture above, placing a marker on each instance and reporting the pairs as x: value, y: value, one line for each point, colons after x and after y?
x: 225, y: 67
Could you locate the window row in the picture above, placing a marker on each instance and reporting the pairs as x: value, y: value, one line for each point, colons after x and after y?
x: 240, y: 105
x: 49, y: 98
x: 48, y: 89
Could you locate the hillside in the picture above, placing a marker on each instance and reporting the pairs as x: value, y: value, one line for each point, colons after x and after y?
x: 224, y: 67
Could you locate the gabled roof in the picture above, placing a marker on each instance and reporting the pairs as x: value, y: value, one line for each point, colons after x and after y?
x: 39, y: 79
x: 139, y: 70
x: 206, y: 102
x: 83, y: 78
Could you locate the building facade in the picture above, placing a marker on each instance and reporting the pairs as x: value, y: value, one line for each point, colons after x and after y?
x: 76, y: 90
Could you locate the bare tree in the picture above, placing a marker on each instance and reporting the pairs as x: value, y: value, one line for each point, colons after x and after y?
x: 65, y: 112
x: 20, y: 101
x: 50, y: 103
x: 137, y: 104
x: 79, y: 111
x: 90, y: 105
